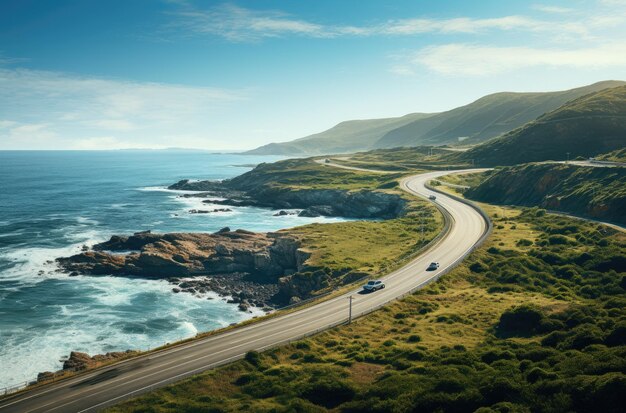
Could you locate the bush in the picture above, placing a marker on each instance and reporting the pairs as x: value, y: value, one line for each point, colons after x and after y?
x: 329, y: 392
x: 617, y: 337
x: 523, y: 320
x: 253, y: 358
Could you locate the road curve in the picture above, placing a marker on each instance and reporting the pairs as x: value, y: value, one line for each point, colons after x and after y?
x: 110, y: 385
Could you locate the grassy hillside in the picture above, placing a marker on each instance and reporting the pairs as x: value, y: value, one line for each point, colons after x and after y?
x: 587, y: 126
x: 618, y: 155
x: 305, y: 173
x: 532, y: 321
x: 349, y: 136
x: 598, y: 193
x: 485, y: 118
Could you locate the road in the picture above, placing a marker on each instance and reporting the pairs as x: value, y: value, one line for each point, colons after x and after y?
x: 107, y: 386
x: 352, y: 168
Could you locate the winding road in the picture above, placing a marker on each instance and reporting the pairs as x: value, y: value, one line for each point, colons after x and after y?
x: 93, y: 391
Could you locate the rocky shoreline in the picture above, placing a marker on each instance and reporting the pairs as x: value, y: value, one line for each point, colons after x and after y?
x: 246, y: 268
x: 252, y: 270
x: 310, y: 202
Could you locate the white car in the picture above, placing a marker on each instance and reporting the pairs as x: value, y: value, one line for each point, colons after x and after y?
x: 433, y: 266
x: 374, y: 285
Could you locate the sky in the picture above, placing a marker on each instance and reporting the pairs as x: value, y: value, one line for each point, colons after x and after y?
x: 119, y: 74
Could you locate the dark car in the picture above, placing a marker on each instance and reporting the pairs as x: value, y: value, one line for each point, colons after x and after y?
x: 433, y: 266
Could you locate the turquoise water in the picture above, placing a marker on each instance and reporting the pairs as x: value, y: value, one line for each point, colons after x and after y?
x: 52, y: 203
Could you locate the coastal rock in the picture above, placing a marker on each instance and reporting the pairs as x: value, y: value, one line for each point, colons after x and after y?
x: 187, y: 185
x: 282, y: 213
x: 80, y: 361
x: 265, y: 256
x: 254, y: 189
x: 45, y: 376
x: 206, y: 211
x: 308, y: 213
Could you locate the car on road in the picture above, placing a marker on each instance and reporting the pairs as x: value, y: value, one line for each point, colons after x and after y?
x: 433, y: 266
x: 432, y: 197
x: 374, y: 285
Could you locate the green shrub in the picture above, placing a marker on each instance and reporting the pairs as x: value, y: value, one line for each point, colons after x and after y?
x: 523, y: 320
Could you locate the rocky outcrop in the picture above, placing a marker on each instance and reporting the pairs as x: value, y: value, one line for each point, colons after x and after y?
x: 209, y: 211
x: 242, y: 265
x: 188, y: 185
x: 78, y: 361
x: 183, y: 254
x: 254, y: 189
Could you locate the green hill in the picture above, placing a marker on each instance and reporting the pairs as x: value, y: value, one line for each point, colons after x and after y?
x: 347, y: 136
x: 485, y: 118
x: 587, y: 126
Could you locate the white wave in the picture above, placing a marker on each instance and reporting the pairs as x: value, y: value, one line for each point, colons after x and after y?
x: 165, y: 189
x: 86, y: 221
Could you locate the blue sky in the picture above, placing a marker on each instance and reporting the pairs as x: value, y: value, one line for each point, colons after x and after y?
x: 234, y: 75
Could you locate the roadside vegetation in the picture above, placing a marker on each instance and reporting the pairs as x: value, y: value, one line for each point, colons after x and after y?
x: 403, y: 159
x: 618, y: 155
x: 535, y: 320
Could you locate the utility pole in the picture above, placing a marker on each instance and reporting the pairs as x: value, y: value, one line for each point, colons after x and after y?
x: 350, y: 311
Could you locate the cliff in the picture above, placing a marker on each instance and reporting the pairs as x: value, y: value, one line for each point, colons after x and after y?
x: 586, y: 191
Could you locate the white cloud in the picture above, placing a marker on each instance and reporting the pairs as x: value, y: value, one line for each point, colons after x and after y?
x: 241, y: 24
x: 48, y: 105
x: 25, y: 134
x: 552, y: 9
x: 479, y: 60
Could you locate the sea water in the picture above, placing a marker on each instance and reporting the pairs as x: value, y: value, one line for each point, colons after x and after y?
x: 54, y: 202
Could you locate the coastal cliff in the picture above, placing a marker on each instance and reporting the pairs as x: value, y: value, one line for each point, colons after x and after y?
x: 313, y: 202
x: 304, y: 184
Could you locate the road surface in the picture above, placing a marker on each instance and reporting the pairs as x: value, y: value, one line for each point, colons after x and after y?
x: 109, y: 385
x: 352, y: 168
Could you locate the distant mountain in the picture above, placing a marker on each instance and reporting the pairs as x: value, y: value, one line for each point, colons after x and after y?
x: 348, y: 136
x: 587, y: 126
x: 485, y: 118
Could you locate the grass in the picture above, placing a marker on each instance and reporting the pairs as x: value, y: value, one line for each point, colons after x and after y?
x: 471, y: 180
x: 369, y: 246
x: 308, y: 174
x: 587, y: 126
x: 402, y: 159
x: 618, y: 155
x: 531, y: 326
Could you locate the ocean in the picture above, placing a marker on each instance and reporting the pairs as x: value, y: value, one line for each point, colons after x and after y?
x: 54, y: 202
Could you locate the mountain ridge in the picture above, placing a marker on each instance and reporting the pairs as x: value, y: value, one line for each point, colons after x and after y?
x: 485, y: 118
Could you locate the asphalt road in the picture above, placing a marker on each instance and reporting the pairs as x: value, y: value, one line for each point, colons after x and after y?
x: 110, y: 385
